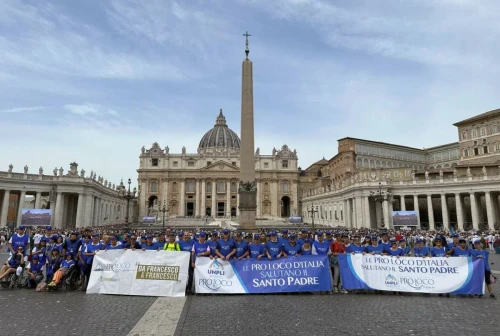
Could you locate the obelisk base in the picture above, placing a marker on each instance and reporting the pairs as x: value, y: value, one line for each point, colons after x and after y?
x: 248, y: 209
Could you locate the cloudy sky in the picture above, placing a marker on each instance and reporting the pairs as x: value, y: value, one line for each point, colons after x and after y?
x: 94, y: 81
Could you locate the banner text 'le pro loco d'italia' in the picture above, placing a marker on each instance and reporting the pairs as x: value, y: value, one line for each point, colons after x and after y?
x: 149, y: 273
x: 454, y: 275
x: 294, y: 274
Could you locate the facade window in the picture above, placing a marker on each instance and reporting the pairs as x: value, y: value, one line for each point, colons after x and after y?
x: 233, y: 163
x: 474, y: 133
x: 476, y: 151
x: 190, y: 163
x: 209, y: 163
x: 494, y: 128
x: 497, y: 147
x: 221, y: 186
x: 154, y: 186
x: 190, y: 186
x: 233, y: 187
x: 174, y: 164
x: 266, y: 186
x: 466, y: 153
x: 483, y: 131
x: 284, y: 164
x: 464, y: 135
x: 286, y: 187
x: 485, y: 149
x: 209, y: 187
x: 475, y: 142
x: 266, y: 165
x: 174, y: 187
x: 484, y: 141
x: 154, y: 162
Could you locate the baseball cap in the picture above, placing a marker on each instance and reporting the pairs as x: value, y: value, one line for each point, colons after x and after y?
x: 21, y: 227
x: 203, y: 234
x: 284, y: 231
x: 239, y: 234
x: 48, y: 227
x: 256, y: 236
x: 225, y: 231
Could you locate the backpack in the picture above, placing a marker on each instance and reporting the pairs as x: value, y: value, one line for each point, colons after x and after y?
x: 41, y: 287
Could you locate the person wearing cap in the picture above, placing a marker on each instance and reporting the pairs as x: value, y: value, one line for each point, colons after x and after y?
x: 34, y: 271
x: 53, y: 263
x: 149, y: 245
x: 384, y: 241
x: 421, y: 251
x: 66, y: 264
x: 214, y: 240
x: 90, y: 251
x: 72, y: 245
x: 15, y: 263
x: 200, y: 248
x: 375, y: 247
x: 284, y: 237
x: 59, y: 243
x: 336, y: 247
x: 274, y: 249
x: 454, y: 244
x: 160, y: 240
x: 48, y: 233
x: 480, y: 253
x: 226, y: 247
x: 329, y: 237
x: 394, y: 250
x: 20, y: 238
x: 113, y: 244
x: 241, y: 246
x: 356, y: 247
x: 321, y: 246
x: 132, y: 243
x: 291, y: 248
x: 438, y: 250
x: 462, y: 250
x: 301, y: 236
x: 404, y: 246
x: 256, y: 249
x: 171, y: 244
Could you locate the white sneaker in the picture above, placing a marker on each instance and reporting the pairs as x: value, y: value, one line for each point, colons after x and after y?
x: 335, y: 289
x: 343, y: 291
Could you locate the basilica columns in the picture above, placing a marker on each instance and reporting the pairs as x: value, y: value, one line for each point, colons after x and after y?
x: 416, y: 208
x: 182, y: 205
x: 460, y: 211
x: 38, y: 200
x: 58, y: 211
x: 259, y: 203
x: 402, y: 203
x: 430, y: 212
x: 197, y: 199
x: 366, y: 201
x: 474, y: 212
x: 444, y: 211
x: 79, y: 211
x: 214, y: 196
x: 5, y: 208
x: 20, y: 205
x: 489, y: 211
x: 203, y: 198
x: 228, y: 198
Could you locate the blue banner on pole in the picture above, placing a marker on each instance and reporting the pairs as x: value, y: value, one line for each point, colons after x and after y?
x: 297, y: 274
x: 453, y: 275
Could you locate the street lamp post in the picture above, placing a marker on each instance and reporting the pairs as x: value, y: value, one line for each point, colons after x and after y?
x: 312, y: 212
x: 163, y: 210
x: 381, y: 196
x: 128, y: 195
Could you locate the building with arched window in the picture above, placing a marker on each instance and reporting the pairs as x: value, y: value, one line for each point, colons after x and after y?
x: 206, y: 183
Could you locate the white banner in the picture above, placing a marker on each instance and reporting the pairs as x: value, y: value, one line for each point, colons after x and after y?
x: 409, y: 274
x: 216, y: 276
x: 149, y: 273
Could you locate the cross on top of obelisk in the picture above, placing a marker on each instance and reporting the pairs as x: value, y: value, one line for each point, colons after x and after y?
x: 246, y: 43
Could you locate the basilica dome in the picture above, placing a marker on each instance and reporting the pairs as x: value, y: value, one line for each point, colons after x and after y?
x: 221, y: 136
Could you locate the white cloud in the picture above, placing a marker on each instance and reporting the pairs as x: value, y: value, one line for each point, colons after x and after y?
x: 24, y: 109
x: 83, y: 109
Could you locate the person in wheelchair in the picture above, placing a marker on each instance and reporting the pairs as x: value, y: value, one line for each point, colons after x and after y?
x: 53, y: 264
x: 15, y: 264
x: 34, y: 271
x: 66, y: 265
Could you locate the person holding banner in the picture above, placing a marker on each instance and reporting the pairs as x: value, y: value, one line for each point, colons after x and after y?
x: 241, y: 247
x: 321, y: 246
x: 274, y: 249
x: 256, y: 249
x: 171, y: 245
x: 336, y: 247
x: 132, y: 244
x: 421, y: 250
x: 225, y: 247
x: 375, y: 247
x: 480, y: 253
x: 307, y: 250
x: 214, y: 240
x: 394, y: 250
x: 200, y: 248
x: 149, y: 245
x: 113, y: 244
x: 356, y: 247
x: 404, y: 246
x: 291, y: 248
x: 461, y: 250
x: 439, y: 250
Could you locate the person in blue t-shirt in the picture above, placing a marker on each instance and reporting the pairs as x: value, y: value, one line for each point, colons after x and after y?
x: 34, y: 271
x: 200, y: 248
x: 274, y: 249
x: 438, y: 250
x: 149, y: 245
x: 19, y: 239
x: 13, y: 263
x: 284, y: 237
x: 384, y: 241
x: 461, y: 250
x: 72, y: 245
x: 214, y: 240
x: 375, y: 247
x: 291, y: 248
x: 394, y: 250
x: 321, y: 246
x: 480, y: 253
x: 66, y: 264
x: 454, y: 244
x: 113, y: 244
x: 420, y: 250
x: 256, y: 249
x: 225, y: 247
x: 356, y: 247
x: 185, y: 242
x: 241, y: 246
x: 405, y: 247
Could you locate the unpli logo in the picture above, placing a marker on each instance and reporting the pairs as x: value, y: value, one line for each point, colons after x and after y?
x: 216, y: 268
x: 391, y: 280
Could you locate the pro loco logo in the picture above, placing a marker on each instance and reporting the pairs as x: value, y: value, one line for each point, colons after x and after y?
x: 391, y: 280
x: 216, y: 277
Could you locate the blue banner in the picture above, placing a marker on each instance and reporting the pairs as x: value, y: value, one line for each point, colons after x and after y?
x: 454, y: 275
x: 297, y: 274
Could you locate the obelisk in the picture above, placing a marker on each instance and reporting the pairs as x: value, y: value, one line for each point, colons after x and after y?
x: 247, y: 190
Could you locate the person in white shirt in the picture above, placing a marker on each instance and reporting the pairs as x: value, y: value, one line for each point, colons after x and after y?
x: 36, y: 238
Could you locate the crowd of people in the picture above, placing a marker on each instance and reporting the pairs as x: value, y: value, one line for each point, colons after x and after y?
x: 46, y: 256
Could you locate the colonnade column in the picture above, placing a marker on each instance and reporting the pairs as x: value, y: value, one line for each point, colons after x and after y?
x: 444, y: 211
x: 416, y: 209
x: 430, y: 211
x: 87, y: 213
x: 367, y: 212
x: 5, y: 208
x: 259, y: 207
x: 489, y: 211
x: 403, y: 203
x: 347, y: 214
x: 460, y: 212
x: 385, y: 213
x: 214, y: 196
x: 38, y: 200
x: 228, y: 198
x: 20, y: 204
x: 58, y: 211
x: 197, y: 198
x: 474, y: 212
x: 203, y: 199
x: 182, y: 208
x: 79, y: 211
x: 238, y: 202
